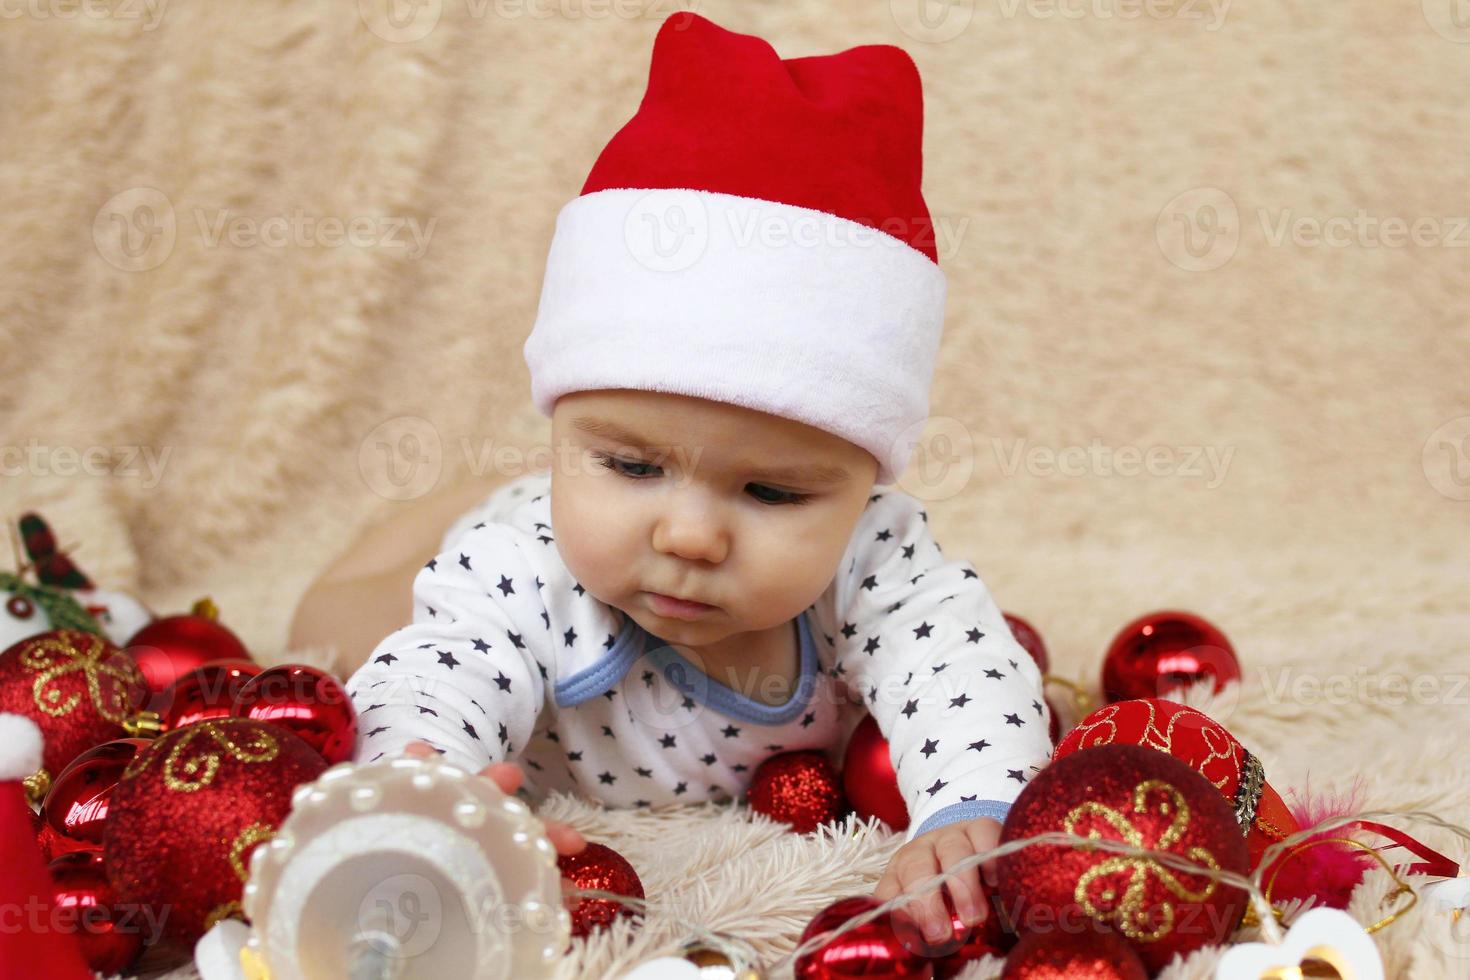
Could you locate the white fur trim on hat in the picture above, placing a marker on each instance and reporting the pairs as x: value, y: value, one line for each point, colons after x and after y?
x: 779, y: 308
x: 20, y: 747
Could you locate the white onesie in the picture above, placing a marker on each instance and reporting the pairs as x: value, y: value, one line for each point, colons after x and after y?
x: 508, y: 657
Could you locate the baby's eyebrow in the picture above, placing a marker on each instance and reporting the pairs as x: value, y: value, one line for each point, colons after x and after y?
x: 815, y: 473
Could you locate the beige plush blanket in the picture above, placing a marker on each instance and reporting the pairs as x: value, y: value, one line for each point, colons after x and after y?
x: 269, y: 266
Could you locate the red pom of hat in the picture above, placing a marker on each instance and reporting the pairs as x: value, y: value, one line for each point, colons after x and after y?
x: 26, y: 884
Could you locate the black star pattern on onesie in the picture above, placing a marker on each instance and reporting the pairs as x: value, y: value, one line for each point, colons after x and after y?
x: 509, y: 658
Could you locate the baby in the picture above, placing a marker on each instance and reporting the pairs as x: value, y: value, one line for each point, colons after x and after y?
x: 734, y: 344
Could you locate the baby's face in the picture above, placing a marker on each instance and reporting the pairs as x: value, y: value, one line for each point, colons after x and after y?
x: 654, y: 492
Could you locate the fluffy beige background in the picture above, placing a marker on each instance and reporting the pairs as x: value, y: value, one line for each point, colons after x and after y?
x: 1329, y: 379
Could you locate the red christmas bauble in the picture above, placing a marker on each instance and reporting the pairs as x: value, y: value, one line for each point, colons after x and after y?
x: 85, y: 903
x: 598, y: 867
x: 191, y: 807
x: 966, y: 943
x: 76, y: 686
x: 872, y: 950
x: 171, y: 646
x: 798, y: 788
x: 1138, y: 796
x: 1089, y: 954
x: 1163, y: 652
x: 1027, y: 636
x: 1203, y: 744
x: 207, y: 691
x: 1054, y: 722
x: 868, y: 779
x: 76, y: 805
x: 307, y: 701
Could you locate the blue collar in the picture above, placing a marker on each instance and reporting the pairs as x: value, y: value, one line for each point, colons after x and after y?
x: 633, y: 642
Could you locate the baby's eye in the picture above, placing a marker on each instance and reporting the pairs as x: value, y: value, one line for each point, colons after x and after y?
x: 635, y: 470
x: 626, y: 467
x: 781, y: 496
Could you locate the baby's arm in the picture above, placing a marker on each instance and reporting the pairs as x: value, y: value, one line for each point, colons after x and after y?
x: 960, y: 701
x: 468, y: 675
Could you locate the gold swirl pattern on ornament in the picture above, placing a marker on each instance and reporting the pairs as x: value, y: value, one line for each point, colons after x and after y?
x: 223, y: 911
x: 1129, y: 912
x: 181, y: 771
x: 246, y: 839
x: 55, y: 657
x: 1102, y: 730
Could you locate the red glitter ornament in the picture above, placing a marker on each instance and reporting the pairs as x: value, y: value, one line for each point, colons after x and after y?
x: 207, y: 691
x: 600, y: 868
x: 85, y: 903
x: 798, y: 788
x: 307, y: 701
x: 1027, y: 636
x: 190, y: 808
x: 872, y: 951
x: 966, y: 943
x: 170, y: 647
x: 78, y: 688
x: 1161, y: 652
x: 1091, y: 954
x: 868, y: 779
x: 1138, y: 796
x: 1203, y: 744
x: 75, y: 809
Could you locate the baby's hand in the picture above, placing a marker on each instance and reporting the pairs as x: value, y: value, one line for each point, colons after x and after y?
x: 508, y: 776
x: 930, y: 853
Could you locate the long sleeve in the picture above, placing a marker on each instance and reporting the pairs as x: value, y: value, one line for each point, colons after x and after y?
x: 469, y: 674
x: 927, y: 648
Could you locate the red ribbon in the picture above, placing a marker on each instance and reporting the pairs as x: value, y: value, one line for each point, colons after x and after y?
x: 1434, y: 863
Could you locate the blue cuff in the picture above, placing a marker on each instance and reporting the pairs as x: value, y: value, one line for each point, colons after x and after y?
x: 967, y: 810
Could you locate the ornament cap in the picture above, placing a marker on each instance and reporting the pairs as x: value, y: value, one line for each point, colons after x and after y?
x: 144, y: 724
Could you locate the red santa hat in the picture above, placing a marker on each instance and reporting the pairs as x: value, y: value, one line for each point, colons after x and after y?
x: 30, y: 944
x: 755, y: 234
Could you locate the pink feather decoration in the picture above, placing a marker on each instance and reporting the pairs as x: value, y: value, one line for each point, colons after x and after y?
x: 1325, y: 873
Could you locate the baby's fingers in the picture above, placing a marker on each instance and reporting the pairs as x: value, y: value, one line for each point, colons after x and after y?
x: 419, y: 750
x: 507, y: 776
x: 564, y: 838
x: 927, y: 911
